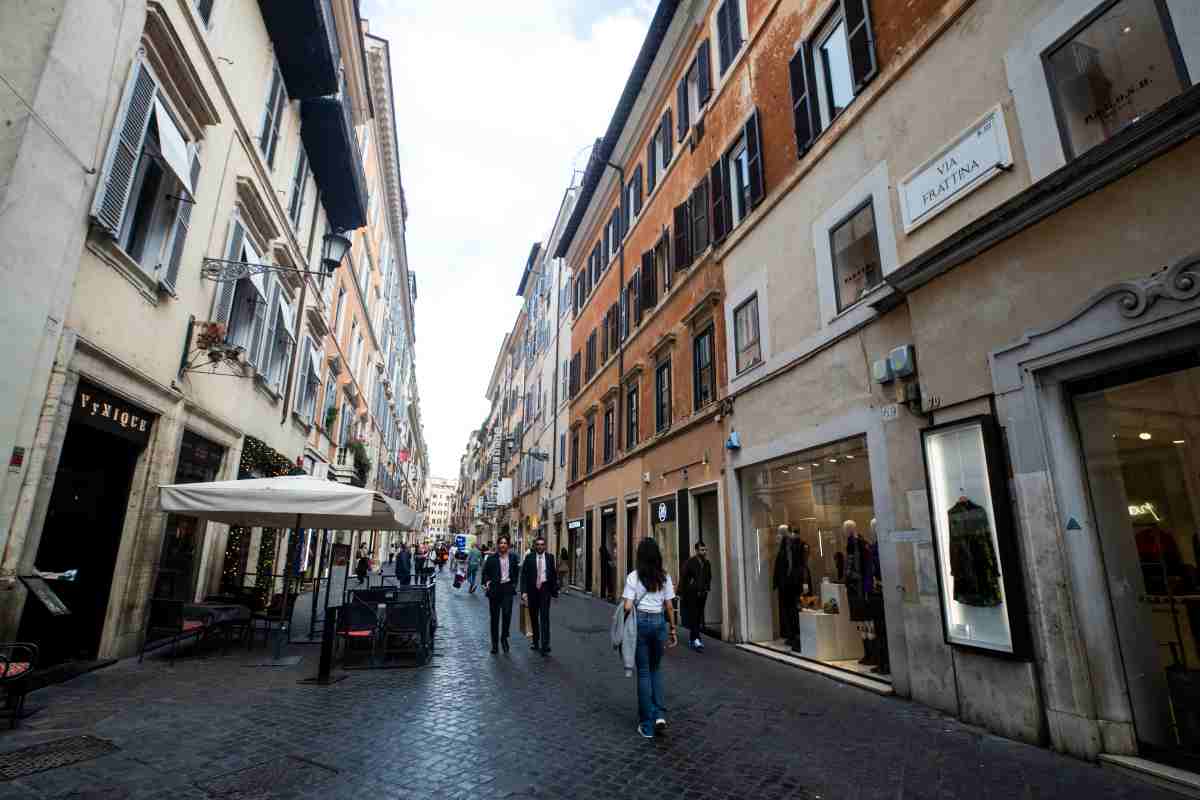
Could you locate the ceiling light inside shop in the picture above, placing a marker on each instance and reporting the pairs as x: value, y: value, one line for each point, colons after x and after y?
x: 815, y: 464
x: 1177, y: 441
x: 833, y: 461
x: 1145, y: 436
x: 849, y: 458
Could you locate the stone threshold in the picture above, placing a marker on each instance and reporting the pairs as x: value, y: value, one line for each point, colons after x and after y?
x: 1186, y: 784
x: 841, y: 675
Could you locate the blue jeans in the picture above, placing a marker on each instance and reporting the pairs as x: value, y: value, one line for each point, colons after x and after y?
x: 651, y: 644
x: 471, y: 573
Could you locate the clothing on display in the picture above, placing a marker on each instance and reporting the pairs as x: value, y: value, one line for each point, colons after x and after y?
x: 973, y: 563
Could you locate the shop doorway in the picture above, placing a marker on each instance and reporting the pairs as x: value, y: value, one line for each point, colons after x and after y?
x: 608, y: 553
x: 665, y: 530
x: 575, y: 537
x: 631, y: 536
x: 708, y: 522
x: 811, y: 551
x: 1139, y: 431
x: 589, y: 547
x: 183, y: 539
x: 82, y: 532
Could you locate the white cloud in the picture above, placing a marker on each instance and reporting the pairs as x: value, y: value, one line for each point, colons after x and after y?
x: 494, y: 101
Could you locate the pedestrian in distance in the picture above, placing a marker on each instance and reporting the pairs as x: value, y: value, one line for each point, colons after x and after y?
x: 648, y: 594
x: 419, y: 559
x: 474, y: 559
x: 404, y: 565
x: 539, y: 583
x: 694, y: 586
x: 362, y: 568
x: 563, y: 570
x: 606, y: 573
x: 499, y: 583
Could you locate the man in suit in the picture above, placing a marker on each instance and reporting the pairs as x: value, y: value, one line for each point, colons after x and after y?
x: 539, y: 583
x: 404, y: 565
x: 500, y: 584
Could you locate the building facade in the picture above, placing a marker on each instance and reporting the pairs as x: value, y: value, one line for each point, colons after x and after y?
x: 439, y: 502
x: 178, y: 330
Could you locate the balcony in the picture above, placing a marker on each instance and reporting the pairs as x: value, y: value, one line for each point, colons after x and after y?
x: 333, y: 154
x: 305, y: 42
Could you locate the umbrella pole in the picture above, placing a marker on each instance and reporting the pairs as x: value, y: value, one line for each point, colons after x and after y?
x: 312, y: 621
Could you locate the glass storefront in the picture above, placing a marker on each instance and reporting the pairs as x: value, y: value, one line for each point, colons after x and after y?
x: 1139, y: 433
x: 812, y: 555
x: 665, y: 530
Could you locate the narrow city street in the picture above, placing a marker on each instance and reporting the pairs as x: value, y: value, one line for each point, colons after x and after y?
x: 519, y: 725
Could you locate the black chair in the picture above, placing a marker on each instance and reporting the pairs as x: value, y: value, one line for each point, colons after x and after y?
x: 276, y: 611
x: 358, y: 624
x: 166, y: 620
x: 18, y: 660
x: 406, y: 630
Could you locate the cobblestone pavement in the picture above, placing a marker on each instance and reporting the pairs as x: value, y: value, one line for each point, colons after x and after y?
x: 522, y: 726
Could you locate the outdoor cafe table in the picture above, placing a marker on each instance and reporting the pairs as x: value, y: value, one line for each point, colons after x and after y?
x: 217, y: 613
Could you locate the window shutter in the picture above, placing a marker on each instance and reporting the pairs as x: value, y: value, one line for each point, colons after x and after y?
x: 223, y: 306
x: 724, y: 35
x: 637, y: 190
x: 623, y: 323
x: 754, y: 161
x: 666, y: 138
x: 703, y: 63
x: 683, y: 252
x: 170, y: 275
x: 681, y: 103
x: 604, y: 338
x: 803, y: 109
x: 614, y: 338
x: 646, y: 276
x: 262, y: 341
x: 124, y: 150
x: 699, y: 208
x: 716, y: 198
x: 635, y: 300
x: 861, y: 38
x: 651, y: 166
x: 608, y: 239
x: 302, y: 384
x: 274, y: 115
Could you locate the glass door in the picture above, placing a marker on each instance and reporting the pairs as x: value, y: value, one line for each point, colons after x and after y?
x: 1139, y: 432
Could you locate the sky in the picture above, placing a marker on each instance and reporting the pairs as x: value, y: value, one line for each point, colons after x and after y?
x: 495, y: 104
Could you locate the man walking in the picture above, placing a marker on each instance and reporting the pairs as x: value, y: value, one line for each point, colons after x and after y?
x: 500, y: 582
x: 697, y: 579
x: 539, y: 583
x: 474, y: 559
x: 404, y: 565
x: 606, y: 573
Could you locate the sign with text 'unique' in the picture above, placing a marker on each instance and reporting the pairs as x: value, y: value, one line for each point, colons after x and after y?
x: 105, y: 411
x: 973, y: 158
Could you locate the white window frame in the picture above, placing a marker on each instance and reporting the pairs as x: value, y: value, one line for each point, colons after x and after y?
x: 1031, y: 90
x: 873, y: 187
x: 739, y: 148
x: 633, y: 213
x: 273, y: 115
x: 824, y: 85
x: 737, y: 344
x: 714, y: 60
x: 754, y: 284
x: 660, y: 168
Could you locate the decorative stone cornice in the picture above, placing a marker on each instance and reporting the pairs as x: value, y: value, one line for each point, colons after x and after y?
x: 175, y: 71
x: 256, y: 213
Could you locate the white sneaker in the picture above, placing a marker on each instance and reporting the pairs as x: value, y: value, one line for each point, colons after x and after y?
x: 660, y: 725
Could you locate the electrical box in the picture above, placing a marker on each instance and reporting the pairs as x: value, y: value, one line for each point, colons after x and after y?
x: 881, y: 371
x: 903, y: 361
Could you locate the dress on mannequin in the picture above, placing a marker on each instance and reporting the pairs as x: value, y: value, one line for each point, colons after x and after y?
x: 788, y: 582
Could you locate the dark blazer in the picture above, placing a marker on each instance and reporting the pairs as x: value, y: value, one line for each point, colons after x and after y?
x: 404, y: 563
x: 529, y: 575
x: 491, y: 569
x: 697, y: 577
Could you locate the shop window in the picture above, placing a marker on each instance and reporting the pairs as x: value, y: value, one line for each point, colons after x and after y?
x: 591, y: 444
x: 828, y: 71
x: 704, y: 376
x: 745, y: 334
x: 632, y: 409
x: 854, y: 245
x: 662, y: 396
x: 268, y: 137
x: 609, y: 433
x: 813, y: 542
x: 1119, y: 65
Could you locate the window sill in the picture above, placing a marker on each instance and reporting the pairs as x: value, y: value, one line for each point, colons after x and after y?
x: 756, y: 365
x: 302, y: 423
x: 110, y: 253
x: 260, y: 383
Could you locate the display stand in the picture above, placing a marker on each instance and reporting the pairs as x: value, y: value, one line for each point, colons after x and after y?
x: 830, y: 637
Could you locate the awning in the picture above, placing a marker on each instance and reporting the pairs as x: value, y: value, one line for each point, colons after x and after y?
x: 336, y: 164
x: 301, y: 501
x: 172, y: 147
x: 304, y: 38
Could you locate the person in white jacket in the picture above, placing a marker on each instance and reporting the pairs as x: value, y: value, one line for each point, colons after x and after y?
x: 648, y: 596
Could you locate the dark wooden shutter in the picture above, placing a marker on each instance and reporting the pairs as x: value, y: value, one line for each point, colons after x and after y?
x: 663, y: 248
x: 681, y: 104
x: 703, y: 63
x: 754, y: 160
x: 597, y: 262
x: 667, y: 143
x: 635, y: 299
x: 614, y: 337
x: 683, y: 253
x: 223, y: 308
x: 725, y: 35
x: 861, y: 38
x: 700, y: 216
x: 604, y: 338
x: 608, y: 238
x: 804, y: 108
x: 124, y: 150
x: 647, y: 279
x: 651, y: 166
x: 170, y: 275
x: 637, y: 190
x: 716, y: 200
x: 623, y: 324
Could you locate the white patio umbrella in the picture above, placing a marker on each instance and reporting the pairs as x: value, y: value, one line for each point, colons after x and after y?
x: 299, y: 501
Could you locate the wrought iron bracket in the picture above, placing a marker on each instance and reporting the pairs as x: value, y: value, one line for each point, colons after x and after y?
x: 224, y: 271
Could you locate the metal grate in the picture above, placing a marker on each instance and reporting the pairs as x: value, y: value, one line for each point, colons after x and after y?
x: 267, y: 780
x: 51, y: 755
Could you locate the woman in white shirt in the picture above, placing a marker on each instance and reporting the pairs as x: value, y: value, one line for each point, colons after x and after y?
x: 648, y: 593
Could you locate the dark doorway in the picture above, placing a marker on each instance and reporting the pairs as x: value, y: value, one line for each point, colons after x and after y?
x: 199, y: 461
x: 82, y: 532
x: 631, y: 521
x: 608, y: 553
x: 588, y: 555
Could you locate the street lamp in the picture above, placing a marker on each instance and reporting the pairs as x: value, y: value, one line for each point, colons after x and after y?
x: 334, y: 248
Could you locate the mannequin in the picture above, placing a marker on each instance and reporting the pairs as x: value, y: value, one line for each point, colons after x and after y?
x: 877, y: 620
x: 788, y: 581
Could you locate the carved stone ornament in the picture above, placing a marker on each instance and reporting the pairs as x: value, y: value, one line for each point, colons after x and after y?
x: 1180, y: 282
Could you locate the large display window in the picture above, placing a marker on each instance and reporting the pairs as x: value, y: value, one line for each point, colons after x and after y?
x: 665, y: 530
x: 972, y: 533
x: 813, y: 550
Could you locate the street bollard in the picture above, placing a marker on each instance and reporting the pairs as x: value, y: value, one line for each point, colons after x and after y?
x: 327, y: 638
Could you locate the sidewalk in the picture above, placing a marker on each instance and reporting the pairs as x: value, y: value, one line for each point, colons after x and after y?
x: 474, y: 725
